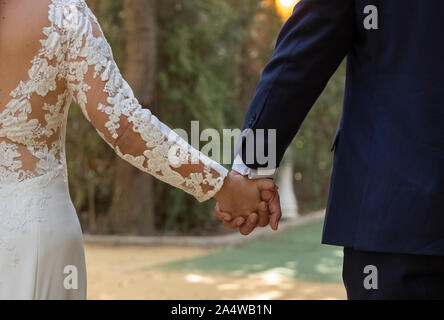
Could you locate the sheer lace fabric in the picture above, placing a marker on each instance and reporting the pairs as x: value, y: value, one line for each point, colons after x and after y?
x: 75, y: 62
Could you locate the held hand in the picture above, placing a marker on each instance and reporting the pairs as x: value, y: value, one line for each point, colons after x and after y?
x: 274, y: 206
x: 241, y: 196
x: 245, y: 225
x: 269, y: 212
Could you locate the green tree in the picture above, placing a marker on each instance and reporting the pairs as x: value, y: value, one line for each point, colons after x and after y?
x: 207, y: 60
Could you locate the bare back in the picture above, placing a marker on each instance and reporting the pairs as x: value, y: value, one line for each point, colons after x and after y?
x: 21, y: 26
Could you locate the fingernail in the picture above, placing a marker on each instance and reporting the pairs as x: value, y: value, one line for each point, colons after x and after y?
x: 274, y: 225
x: 239, y: 222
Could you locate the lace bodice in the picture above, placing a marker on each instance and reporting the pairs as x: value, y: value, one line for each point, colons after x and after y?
x: 75, y: 62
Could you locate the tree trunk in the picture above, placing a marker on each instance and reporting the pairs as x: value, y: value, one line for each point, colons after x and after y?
x: 94, y: 5
x: 132, y: 207
x: 140, y: 49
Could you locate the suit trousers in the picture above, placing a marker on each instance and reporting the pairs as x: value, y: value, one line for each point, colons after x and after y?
x: 392, y: 276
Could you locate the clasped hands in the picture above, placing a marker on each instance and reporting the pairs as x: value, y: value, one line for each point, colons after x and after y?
x: 245, y: 204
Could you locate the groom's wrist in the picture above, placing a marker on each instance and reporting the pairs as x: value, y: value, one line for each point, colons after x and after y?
x: 259, y: 173
x: 263, y: 173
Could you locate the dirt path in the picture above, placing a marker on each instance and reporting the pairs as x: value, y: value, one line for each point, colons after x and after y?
x: 126, y: 273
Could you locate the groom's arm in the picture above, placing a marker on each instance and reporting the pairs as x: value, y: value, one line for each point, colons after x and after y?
x: 310, y: 47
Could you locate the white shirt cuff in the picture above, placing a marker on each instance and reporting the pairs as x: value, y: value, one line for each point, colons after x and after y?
x: 259, y: 173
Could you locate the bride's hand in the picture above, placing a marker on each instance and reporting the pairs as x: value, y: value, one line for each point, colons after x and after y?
x: 241, y: 196
x: 269, y: 213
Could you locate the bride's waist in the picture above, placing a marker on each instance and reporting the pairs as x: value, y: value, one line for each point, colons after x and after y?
x: 20, y: 182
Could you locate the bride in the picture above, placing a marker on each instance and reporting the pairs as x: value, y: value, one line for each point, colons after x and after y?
x: 53, y: 52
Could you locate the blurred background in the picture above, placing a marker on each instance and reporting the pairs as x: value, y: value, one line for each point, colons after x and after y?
x: 200, y: 60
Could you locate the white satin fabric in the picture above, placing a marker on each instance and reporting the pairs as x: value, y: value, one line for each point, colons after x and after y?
x: 41, y: 244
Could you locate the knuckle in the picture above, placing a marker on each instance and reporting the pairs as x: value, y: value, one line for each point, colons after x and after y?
x: 263, y: 224
x: 229, y: 226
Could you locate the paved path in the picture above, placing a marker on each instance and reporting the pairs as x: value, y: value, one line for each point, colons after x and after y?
x: 289, y: 265
x: 295, y: 253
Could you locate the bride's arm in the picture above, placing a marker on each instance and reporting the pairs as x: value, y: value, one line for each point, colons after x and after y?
x: 133, y: 132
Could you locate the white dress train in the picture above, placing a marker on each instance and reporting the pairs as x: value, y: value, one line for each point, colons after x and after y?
x: 41, y: 245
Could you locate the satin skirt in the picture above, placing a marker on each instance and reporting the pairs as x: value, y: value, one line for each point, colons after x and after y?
x: 41, y: 243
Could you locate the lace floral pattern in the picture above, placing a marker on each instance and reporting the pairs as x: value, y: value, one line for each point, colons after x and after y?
x: 74, y: 49
x: 20, y: 214
x: 9, y: 161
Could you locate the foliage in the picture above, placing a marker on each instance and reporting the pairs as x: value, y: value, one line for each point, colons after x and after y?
x: 210, y: 55
x: 199, y: 47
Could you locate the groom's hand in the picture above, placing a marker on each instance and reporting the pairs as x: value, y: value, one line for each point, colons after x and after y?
x: 241, y: 196
x: 269, y: 212
x: 274, y: 207
x: 245, y: 225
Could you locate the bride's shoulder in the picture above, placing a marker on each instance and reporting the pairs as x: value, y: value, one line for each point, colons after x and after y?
x: 31, y: 15
x: 22, y: 21
x: 68, y: 7
x: 70, y: 15
x: 69, y: 3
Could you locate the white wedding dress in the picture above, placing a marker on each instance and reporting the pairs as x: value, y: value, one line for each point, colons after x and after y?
x: 41, y: 245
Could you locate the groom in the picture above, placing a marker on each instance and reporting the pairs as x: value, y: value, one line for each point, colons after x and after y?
x: 386, y: 202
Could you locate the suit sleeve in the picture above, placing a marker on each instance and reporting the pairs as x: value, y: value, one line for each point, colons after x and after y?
x: 310, y: 47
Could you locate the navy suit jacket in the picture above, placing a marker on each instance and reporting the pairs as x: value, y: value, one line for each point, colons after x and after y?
x: 387, y: 187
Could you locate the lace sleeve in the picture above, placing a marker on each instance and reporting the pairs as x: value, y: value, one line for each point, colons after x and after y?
x: 133, y: 132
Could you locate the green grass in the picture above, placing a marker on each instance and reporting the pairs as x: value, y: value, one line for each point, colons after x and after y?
x: 297, y: 253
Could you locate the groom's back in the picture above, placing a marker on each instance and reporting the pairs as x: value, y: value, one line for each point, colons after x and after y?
x: 401, y: 63
x: 388, y: 181
x: 387, y: 188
